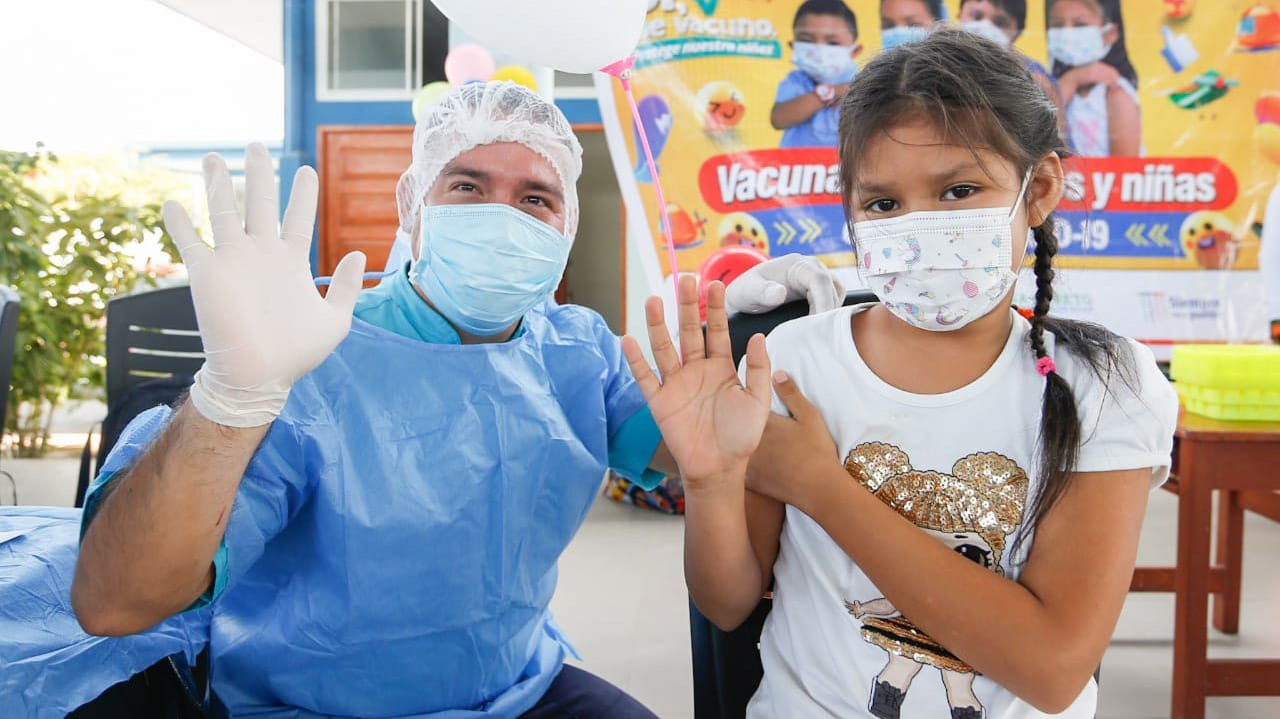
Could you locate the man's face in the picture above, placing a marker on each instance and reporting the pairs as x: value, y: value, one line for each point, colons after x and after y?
x: 503, y: 172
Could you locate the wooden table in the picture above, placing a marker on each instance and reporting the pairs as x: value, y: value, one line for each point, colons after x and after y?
x: 1242, y: 461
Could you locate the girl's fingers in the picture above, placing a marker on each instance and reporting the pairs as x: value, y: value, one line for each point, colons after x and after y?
x: 664, y: 352
x: 645, y: 378
x: 690, y: 320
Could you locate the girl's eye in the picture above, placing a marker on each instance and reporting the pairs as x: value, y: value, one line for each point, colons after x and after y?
x: 959, y: 192
x: 884, y: 205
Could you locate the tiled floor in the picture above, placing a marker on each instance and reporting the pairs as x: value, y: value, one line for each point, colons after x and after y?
x: 621, y: 599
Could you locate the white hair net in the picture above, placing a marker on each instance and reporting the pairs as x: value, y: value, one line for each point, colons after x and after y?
x: 482, y: 114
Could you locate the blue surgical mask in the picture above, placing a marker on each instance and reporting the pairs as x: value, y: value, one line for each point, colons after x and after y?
x: 826, y: 64
x: 1078, y: 46
x: 484, y: 266
x: 895, y: 36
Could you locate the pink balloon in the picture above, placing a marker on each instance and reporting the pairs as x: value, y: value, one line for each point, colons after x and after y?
x: 468, y: 63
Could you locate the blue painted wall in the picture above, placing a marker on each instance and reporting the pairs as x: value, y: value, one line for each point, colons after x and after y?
x: 304, y: 114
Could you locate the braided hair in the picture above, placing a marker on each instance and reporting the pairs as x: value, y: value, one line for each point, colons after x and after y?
x: 982, y: 96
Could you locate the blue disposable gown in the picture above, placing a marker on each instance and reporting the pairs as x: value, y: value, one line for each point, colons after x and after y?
x: 392, y: 548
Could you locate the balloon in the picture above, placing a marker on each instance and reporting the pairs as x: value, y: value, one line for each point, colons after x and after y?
x: 516, y: 74
x: 726, y: 265
x: 468, y: 63
x: 656, y: 119
x: 566, y: 35
x: 427, y: 96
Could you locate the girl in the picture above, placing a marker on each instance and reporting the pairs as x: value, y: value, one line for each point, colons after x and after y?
x: 950, y: 519
x: 1095, y: 79
x: 906, y: 20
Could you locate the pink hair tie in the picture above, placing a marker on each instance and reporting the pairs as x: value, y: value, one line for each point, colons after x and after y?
x: 1044, y: 366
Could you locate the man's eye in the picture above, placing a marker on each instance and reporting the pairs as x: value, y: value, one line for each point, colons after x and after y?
x: 537, y: 200
x: 465, y: 187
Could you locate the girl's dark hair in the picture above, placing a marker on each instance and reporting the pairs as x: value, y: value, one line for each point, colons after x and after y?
x: 982, y: 96
x: 935, y: 8
x: 1118, y: 55
x: 1016, y: 9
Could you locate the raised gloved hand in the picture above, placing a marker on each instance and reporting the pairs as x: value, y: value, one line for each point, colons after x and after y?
x: 785, y: 279
x: 262, y: 321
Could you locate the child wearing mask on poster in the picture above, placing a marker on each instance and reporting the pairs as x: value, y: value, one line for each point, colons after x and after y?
x: 1002, y: 22
x: 1097, y: 82
x: 906, y: 20
x: 947, y: 495
x: 806, y: 107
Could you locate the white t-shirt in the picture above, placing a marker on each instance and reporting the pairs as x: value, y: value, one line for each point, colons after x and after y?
x: 959, y: 465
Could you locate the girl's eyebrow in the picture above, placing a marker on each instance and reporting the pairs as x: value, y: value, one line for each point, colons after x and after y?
x: 942, y: 176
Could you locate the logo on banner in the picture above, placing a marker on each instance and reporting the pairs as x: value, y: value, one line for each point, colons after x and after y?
x: 1161, y: 307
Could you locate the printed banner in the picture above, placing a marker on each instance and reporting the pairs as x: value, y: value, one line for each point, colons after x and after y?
x: 1171, y: 107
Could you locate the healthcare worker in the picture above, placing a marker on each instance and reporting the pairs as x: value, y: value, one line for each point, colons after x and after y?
x: 358, y: 517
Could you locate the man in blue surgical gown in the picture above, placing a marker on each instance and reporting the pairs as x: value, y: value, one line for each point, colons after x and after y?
x: 362, y: 516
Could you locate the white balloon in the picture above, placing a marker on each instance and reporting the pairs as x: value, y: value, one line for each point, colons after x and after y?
x: 579, y: 36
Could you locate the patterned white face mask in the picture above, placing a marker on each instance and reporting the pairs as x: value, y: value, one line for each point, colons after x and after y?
x: 940, y: 270
x: 1078, y: 46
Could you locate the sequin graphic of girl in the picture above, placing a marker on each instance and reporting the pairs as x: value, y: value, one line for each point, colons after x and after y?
x: 973, y: 510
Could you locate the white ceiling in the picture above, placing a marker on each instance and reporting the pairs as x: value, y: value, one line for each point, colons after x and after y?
x: 259, y: 24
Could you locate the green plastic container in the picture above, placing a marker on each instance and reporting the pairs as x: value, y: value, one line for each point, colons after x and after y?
x: 1233, y: 382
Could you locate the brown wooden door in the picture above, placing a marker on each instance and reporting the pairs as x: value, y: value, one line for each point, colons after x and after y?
x: 359, y: 167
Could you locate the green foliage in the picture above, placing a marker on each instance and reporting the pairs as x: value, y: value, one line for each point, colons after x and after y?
x: 72, y: 236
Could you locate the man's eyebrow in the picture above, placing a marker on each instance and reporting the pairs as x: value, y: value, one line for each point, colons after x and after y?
x: 474, y: 173
x: 539, y: 186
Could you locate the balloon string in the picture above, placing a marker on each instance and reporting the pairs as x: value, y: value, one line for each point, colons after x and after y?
x: 657, y: 184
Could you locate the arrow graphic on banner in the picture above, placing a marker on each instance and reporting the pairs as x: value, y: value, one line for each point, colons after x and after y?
x: 786, y: 232
x: 1134, y: 235
x: 1158, y: 235
x: 811, y: 230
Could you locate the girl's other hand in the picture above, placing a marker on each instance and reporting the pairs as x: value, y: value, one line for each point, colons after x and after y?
x: 796, y: 454
x: 1096, y: 73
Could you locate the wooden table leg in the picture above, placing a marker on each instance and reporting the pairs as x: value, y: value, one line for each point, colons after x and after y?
x: 1229, y: 555
x: 1190, y: 627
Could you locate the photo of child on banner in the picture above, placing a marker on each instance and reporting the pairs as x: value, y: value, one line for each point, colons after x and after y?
x: 1172, y: 111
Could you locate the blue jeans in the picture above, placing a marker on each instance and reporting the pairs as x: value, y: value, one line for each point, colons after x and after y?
x: 578, y: 694
x: 158, y: 694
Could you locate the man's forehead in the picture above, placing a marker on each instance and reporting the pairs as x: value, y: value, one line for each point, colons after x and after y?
x: 503, y: 155
x: 506, y: 162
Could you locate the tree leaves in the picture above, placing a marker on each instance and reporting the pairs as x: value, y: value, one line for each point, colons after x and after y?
x: 64, y: 248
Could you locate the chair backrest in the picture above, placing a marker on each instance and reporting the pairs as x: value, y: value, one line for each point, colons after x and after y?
x: 8, y: 347
x: 726, y: 665
x: 149, y: 335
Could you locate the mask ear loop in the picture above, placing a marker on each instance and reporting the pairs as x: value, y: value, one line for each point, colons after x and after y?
x: 1013, y: 212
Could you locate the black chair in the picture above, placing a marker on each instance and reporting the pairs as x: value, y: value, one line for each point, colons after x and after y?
x: 726, y: 665
x: 151, y: 336
x: 8, y: 347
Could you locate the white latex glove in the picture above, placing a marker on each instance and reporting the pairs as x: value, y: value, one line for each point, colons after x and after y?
x: 781, y: 280
x: 262, y: 321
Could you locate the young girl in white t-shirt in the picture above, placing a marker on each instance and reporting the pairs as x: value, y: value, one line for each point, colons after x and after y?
x: 948, y: 499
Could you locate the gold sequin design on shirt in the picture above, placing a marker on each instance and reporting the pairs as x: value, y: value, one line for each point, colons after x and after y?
x: 985, y: 494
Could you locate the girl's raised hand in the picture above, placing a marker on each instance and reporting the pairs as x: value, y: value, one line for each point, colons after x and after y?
x: 710, y: 422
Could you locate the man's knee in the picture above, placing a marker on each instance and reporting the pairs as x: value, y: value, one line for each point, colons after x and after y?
x: 579, y: 694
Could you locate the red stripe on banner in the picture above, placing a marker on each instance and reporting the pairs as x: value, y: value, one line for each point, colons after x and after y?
x: 1150, y: 184
x: 770, y: 179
